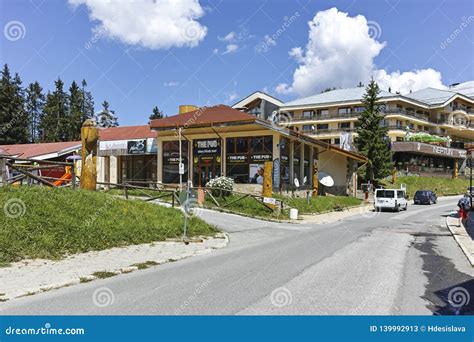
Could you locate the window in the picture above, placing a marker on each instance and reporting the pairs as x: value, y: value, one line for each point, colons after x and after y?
x: 171, y: 161
x: 284, y: 160
x: 306, y: 162
x: 344, y: 125
x: 322, y: 127
x: 246, y: 153
x: 323, y: 112
x: 344, y: 110
x: 308, y: 128
x: 337, y: 141
x: 385, y: 194
x: 359, y: 109
x: 307, y: 114
x: 296, y: 160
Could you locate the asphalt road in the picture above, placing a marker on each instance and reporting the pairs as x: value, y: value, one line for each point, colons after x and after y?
x: 373, y: 263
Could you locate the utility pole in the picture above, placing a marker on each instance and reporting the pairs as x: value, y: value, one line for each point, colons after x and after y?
x: 180, y: 166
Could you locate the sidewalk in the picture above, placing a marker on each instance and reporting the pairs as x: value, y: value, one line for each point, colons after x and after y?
x: 461, y: 235
x: 28, y: 277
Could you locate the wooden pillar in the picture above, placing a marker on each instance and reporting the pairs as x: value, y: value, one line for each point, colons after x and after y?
x: 89, y: 136
x: 3, y: 171
x: 267, y: 179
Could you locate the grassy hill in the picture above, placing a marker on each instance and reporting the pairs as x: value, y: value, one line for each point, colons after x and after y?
x: 441, y: 186
x: 39, y: 222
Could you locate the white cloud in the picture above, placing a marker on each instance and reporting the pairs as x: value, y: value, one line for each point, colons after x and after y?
x: 229, y: 37
x: 230, y: 48
x: 231, y: 97
x: 340, y: 53
x: 171, y: 84
x: 153, y: 24
x: 409, y: 80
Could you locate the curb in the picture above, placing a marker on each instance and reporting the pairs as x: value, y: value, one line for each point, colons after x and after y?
x: 123, y: 270
x: 466, y: 252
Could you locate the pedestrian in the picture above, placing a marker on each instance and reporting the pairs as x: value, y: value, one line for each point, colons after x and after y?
x: 463, y: 205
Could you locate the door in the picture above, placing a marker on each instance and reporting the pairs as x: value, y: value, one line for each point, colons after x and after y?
x: 206, y: 172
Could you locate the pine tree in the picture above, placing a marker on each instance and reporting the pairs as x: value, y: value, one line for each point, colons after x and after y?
x: 106, y: 118
x: 87, y: 103
x: 34, y: 105
x: 76, y: 114
x: 54, y: 123
x: 157, y: 114
x: 372, y: 140
x: 13, y: 118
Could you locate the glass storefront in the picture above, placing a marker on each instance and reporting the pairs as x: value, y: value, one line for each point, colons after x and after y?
x: 138, y: 168
x: 285, y: 160
x: 246, y: 157
x: 297, y: 161
x: 171, y: 161
x: 306, y: 162
x: 206, y: 160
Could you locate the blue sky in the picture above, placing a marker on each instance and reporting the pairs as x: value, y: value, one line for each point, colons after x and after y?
x: 58, y: 39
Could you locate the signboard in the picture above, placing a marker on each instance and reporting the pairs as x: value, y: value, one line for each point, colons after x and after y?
x: 269, y: 200
x: 409, y: 146
x: 207, y: 146
x: 261, y: 157
x: 113, y: 145
x: 136, y: 146
x: 345, y: 141
x: 237, y: 159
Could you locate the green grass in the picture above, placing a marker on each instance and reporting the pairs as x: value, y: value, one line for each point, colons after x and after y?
x: 60, y: 222
x: 321, y: 204
x: 249, y: 206
x: 145, y: 265
x: 441, y: 186
x: 103, y: 274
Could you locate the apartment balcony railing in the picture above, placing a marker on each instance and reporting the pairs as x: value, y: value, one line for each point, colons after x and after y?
x: 327, y: 131
x: 326, y: 116
x: 405, y: 112
x: 460, y: 125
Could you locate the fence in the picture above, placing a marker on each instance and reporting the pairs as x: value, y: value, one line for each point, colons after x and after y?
x: 18, y: 170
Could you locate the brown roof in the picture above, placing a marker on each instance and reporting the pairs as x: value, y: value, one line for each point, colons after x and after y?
x: 205, y: 116
x: 126, y: 132
x: 37, y: 150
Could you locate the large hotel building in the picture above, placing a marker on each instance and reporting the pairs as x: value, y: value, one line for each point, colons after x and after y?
x: 429, y: 130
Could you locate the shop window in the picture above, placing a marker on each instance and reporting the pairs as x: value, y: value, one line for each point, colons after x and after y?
x: 171, y: 161
x: 284, y: 160
x: 296, y: 160
x: 306, y: 162
x: 244, y: 165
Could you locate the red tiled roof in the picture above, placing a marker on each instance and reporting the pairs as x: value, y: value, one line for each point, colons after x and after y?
x: 205, y: 116
x: 37, y: 150
x: 126, y: 132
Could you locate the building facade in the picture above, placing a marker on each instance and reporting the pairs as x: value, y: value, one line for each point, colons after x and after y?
x: 220, y: 140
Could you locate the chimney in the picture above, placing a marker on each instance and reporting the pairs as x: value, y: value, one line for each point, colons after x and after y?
x: 187, y: 108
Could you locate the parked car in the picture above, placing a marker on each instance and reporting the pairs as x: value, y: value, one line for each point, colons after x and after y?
x: 395, y: 199
x: 425, y: 197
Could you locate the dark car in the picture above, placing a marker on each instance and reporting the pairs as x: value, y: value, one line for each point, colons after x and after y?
x: 425, y: 197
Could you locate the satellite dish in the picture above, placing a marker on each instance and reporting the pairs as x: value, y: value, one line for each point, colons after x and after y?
x: 297, y: 182
x: 325, y: 179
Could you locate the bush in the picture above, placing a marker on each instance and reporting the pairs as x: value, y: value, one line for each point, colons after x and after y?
x: 221, y: 186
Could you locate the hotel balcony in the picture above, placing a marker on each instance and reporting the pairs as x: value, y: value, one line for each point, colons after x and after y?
x: 410, y: 114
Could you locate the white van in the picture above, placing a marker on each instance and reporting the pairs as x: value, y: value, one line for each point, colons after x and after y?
x: 394, y: 199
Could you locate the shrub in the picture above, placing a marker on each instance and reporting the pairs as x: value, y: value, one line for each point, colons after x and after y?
x: 221, y: 186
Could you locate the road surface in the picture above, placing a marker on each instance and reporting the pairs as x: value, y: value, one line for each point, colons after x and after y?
x: 372, y: 263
